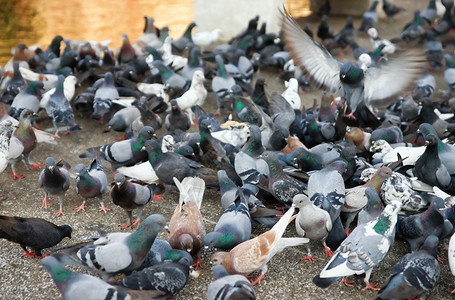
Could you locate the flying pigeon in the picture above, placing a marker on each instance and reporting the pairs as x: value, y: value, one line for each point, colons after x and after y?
x: 358, y: 88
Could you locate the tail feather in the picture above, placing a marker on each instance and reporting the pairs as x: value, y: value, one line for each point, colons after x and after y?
x: 324, y: 282
x: 191, y: 189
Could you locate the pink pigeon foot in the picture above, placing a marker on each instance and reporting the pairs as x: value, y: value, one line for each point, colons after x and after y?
x: 122, y: 137
x: 369, y: 286
x: 104, y: 208
x: 46, y: 203
x: 135, y: 223
x: 82, y: 207
x: 158, y: 198
x: 346, y: 282
x: 124, y: 226
x: 350, y: 115
x: 258, y: 280
x: 328, y: 252
x: 59, y: 213
x: 28, y: 254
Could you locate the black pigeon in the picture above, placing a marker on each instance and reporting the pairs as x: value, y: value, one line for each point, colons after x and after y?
x: 35, y: 233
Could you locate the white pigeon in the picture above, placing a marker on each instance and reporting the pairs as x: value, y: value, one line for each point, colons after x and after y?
x: 206, y: 38
x: 143, y: 172
x: 176, y: 62
x: 6, y: 130
x: 376, y: 41
x: 49, y: 80
x: 195, y: 95
x: 291, y: 94
x: 382, y: 150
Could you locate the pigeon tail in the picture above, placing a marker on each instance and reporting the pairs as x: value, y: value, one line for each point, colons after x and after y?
x: 191, y: 189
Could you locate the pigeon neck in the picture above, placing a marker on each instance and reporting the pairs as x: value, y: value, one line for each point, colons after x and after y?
x: 164, y: 71
x: 61, y: 275
x: 383, y: 224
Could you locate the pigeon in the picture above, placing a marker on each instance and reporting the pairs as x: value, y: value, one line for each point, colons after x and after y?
x: 122, y: 254
x: 281, y: 185
x: 126, y: 52
x: 123, y: 153
x: 428, y: 15
x: 73, y: 285
x: 29, y: 98
x: 291, y: 94
x: 129, y: 195
x: 324, y: 30
x: 415, y: 274
x: 34, y: 233
x: 177, y: 118
x: 195, y: 63
x: 162, y: 280
x: 222, y: 82
x: 206, y: 38
x: 176, y: 62
x: 449, y: 73
x: 91, y: 182
x: 425, y: 87
x: 427, y: 115
x: 123, y: 119
x: 433, y: 50
x: 416, y: 228
x: 184, y: 41
x: 415, y: 30
x: 376, y: 42
x: 225, y: 286
x: 6, y: 131
x: 312, y: 222
x: 55, y: 180
x: 195, y: 95
x: 59, y: 109
x: 357, y: 88
x: 170, y: 164
x: 187, y: 229
x: 255, y: 253
x: 233, y: 227
x: 343, y: 38
x: 23, y: 142
x: 369, y: 18
x: 362, y: 250
x: 170, y: 78
x: 14, y: 86
x: 104, y: 95
x: 391, y: 9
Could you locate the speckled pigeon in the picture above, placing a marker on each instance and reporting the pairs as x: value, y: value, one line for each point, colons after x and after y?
x: 362, y: 250
x: 415, y: 274
x: 55, y: 180
x: 35, y: 233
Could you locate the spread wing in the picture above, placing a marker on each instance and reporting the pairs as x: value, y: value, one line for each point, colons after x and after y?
x: 397, y: 74
x: 310, y: 55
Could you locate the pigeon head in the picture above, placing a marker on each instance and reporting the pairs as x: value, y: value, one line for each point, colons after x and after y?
x: 179, y: 256
x: 50, y: 164
x: 153, y: 149
x: 431, y: 139
x: 425, y: 129
x: 56, y: 270
x: 431, y: 245
x: 350, y: 73
x: 222, y: 240
x: 300, y: 200
x: 119, y: 179
x: 217, y: 258
x: 142, y: 239
x: 80, y: 169
x: 66, y: 230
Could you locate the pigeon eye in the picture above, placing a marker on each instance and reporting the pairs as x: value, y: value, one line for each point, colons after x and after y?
x: 160, y: 223
x: 266, y: 154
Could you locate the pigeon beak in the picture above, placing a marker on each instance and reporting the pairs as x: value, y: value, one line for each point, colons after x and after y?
x: 206, y: 248
x: 51, y: 168
x: 167, y: 229
x: 143, y: 148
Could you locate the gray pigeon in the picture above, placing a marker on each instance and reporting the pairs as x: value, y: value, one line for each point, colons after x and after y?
x: 372, y: 209
x: 91, y: 183
x: 122, y: 254
x: 74, y: 286
x: 233, y: 227
x: 104, y: 96
x: 362, y: 250
x: 225, y: 286
x: 312, y: 222
x: 28, y: 98
x: 129, y: 195
x: 55, y: 180
x: 59, y: 109
x: 415, y: 274
x: 164, y: 279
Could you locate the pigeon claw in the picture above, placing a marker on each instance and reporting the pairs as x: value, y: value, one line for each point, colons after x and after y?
x: 328, y: 252
x: 104, y: 208
x: 451, y: 291
x: 124, y: 226
x: 59, y: 213
x: 257, y: 280
x: 36, y: 166
x: 310, y: 258
x: 198, y: 264
x: 82, y: 207
x: 346, y: 282
x: 135, y: 223
x: 369, y: 286
x: 158, y: 198
x: 122, y: 137
x: 17, y: 176
x: 46, y: 203
x: 27, y: 253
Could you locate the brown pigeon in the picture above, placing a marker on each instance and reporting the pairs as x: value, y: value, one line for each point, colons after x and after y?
x: 186, y: 227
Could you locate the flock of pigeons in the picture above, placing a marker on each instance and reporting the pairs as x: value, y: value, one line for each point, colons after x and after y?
x: 381, y: 154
